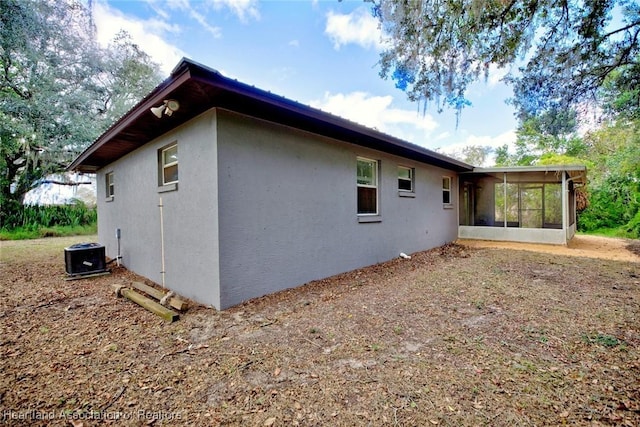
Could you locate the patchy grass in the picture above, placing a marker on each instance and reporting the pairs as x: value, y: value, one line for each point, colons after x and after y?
x: 602, y: 339
x: 48, y: 251
x: 454, y: 336
x: 618, y: 232
x: 26, y: 233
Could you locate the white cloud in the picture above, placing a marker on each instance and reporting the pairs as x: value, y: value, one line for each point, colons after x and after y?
x: 243, y: 9
x: 216, y: 32
x: 160, y: 9
x: 378, y: 113
x: 149, y: 34
x: 294, y: 43
x: 496, y: 75
x: 185, y: 6
x: 441, y: 136
x: 358, y: 27
x: 508, y: 138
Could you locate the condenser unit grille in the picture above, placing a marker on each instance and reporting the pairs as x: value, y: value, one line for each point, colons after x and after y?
x: 84, y: 258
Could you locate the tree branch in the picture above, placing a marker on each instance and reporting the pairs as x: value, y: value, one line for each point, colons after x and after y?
x: 10, y: 84
x: 619, y: 30
x: 70, y: 184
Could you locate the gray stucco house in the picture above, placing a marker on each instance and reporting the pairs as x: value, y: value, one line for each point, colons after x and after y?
x: 259, y: 193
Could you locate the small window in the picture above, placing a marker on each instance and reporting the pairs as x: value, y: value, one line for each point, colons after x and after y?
x: 367, y: 182
x: 405, y: 179
x: 169, y: 164
x: 446, y: 190
x: 108, y: 178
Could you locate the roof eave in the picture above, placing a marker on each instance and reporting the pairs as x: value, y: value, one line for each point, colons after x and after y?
x: 155, y: 97
x: 544, y: 168
x: 188, y: 69
x: 323, y: 116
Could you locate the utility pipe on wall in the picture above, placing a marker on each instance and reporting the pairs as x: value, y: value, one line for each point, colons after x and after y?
x: 118, y: 257
x: 162, y: 240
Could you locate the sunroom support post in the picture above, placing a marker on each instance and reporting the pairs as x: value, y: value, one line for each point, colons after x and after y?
x: 504, y: 194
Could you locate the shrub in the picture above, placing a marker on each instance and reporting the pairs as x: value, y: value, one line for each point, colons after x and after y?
x: 633, y: 227
x: 33, y: 218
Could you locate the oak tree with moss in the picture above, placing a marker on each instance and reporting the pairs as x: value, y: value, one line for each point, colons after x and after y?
x: 559, y: 53
x: 58, y: 89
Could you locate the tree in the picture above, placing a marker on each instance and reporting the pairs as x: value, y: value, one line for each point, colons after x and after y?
x: 475, y: 155
x: 128, y: 74
x: 615, y: 172
x: 58, y: 90
x: 621, y: 93
x: 549, y: 134
x: 436, y: 48
x: 502, y: 156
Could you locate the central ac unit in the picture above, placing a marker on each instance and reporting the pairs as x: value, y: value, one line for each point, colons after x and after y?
x: 85, y: 258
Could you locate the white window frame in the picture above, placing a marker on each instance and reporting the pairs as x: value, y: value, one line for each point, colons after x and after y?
x: 376, y: 171
x: 411, y: 178
x: 447, y: 190
x: 164, y: 166
x: 110, y: 186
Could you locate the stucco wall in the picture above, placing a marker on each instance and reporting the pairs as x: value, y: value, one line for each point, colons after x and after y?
x: 190, y: 212
x: 287, y: 209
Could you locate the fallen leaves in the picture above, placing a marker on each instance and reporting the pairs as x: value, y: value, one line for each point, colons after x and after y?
x: 454, y: 336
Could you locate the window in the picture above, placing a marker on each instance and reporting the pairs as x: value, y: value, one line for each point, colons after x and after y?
x: 528, y: 205
x: 367, y: 171
x: 507, y: 204
x: 169, y: 164
x: 108, y: 178
x: 405, y: 178
x: 446, y: 190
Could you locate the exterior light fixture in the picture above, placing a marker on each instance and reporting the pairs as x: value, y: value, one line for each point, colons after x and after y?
x: 167, y: 107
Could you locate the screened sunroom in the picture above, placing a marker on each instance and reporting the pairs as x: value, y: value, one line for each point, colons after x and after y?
x: 534, y: 204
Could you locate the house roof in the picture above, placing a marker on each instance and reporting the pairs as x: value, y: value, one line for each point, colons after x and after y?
x: 578, y: 173
x: 199, y: 88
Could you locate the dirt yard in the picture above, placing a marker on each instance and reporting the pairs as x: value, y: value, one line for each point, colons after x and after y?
x: 459, y: 335
x: 580, y: 246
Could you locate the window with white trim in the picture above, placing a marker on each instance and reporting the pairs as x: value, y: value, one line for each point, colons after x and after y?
x: 110, y: 187
x: 367, y: 181
x: 169, y: 164
x: 405, y: 178
x: 446, y: 190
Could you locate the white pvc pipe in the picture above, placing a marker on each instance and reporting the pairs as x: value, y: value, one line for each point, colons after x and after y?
x: 162, y: 240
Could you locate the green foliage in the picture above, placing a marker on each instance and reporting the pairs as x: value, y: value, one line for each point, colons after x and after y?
x: 58, y: 90
x: 611, y: 155
x: 35, y: 218
x: 437, y: 48
x: 22, y: 233
x: 547, y: 137
x: 633, y: 226
x: 621, y: 93
x: 614, y: 148
x: 562, y: 159
x: 502, y: 156
x: 614, y: 200
x: 602, y: 339
x: 475, y: 155
x: 613, y: 203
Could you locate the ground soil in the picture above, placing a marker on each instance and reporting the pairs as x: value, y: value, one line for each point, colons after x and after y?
x: 580, y: 246
x: 464, y: 334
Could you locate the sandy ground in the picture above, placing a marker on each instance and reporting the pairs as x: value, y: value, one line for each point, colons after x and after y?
x: 580, y: 246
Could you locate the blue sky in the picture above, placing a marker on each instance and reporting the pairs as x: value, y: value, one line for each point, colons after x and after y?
x: 320, y: 53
